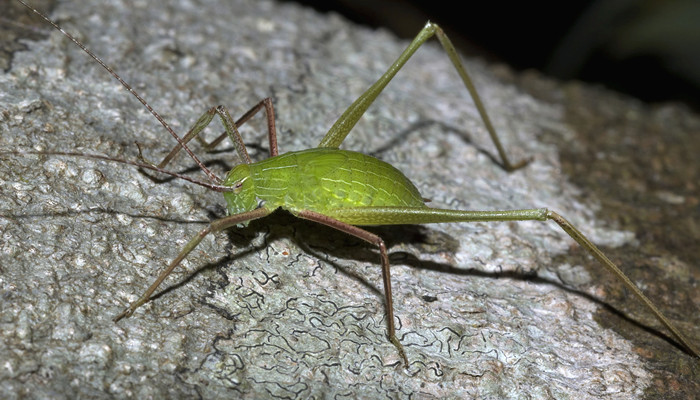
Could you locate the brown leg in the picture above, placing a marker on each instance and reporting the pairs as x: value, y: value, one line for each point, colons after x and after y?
x: 231, y: 131
x: 271, y: 129
x: 386, y: 275
x: 214, y: 226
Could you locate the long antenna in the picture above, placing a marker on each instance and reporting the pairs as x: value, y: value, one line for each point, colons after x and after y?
x: 128, y: 87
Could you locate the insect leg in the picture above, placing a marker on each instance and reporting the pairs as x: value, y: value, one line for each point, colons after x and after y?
x: 203, y: 122
x: 386, y: 275
x: 271, y: 130
x: 603, y: 259
x: 205, y: 119
x: 214, y: 226
x: 347, y: 121
x: 457, y: 62
x: 425, y: 215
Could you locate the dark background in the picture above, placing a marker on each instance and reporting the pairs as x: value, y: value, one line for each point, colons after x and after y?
x: 646, y: 48
x: 649, y: 49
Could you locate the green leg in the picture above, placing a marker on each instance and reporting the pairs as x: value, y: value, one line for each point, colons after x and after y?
x: 425, y: 215
x: 214, y: 226
x: 347, y: 121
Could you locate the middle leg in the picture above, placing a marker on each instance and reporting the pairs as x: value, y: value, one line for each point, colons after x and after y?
x: 386, y: 274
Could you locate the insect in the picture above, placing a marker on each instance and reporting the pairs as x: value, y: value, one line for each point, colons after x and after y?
x: 334, y: 200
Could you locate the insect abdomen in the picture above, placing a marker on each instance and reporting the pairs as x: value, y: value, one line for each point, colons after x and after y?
x: 323, y: 179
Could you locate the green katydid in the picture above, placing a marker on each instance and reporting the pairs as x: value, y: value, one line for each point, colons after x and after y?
x: 338, y: 188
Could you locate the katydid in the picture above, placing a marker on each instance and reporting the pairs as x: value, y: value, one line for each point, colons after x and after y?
x: 338, y: 188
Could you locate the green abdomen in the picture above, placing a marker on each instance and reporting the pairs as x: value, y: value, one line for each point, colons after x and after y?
x: 324, y: 179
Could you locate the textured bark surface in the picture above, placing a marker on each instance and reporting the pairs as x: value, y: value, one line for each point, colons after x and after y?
x: 286, y: 308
